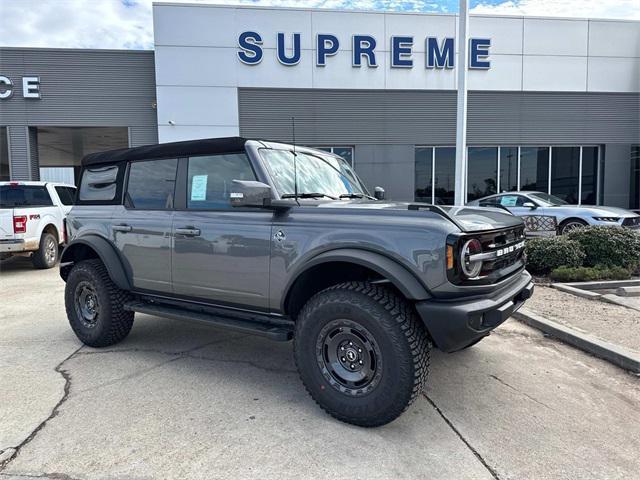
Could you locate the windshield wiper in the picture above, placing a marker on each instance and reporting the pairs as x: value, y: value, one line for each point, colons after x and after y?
x: 356, y: 195
x: 307, y: 195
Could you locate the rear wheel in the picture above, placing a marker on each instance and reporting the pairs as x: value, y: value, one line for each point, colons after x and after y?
x: 572, y: 224
x: 362, y: 353
x: 47, y: 254
x: 95, y: 305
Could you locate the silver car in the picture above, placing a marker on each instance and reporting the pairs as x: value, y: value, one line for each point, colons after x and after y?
x: 567, y: 216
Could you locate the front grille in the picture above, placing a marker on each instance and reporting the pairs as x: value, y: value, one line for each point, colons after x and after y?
x: 507, y: 243
x: 631, y: 222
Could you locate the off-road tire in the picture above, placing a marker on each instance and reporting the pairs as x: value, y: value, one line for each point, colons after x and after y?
x: 403, y: 343
x: 45, y: 256
x: 112, y: 322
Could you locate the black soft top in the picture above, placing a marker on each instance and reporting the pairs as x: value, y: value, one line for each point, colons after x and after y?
x: 211, y: 146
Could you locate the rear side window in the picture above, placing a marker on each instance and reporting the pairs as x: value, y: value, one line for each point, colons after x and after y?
x: 24, y: 196
x: 151, y: 184
x: 67, y: 195
x: 99, y: 184
x: 211, y: 178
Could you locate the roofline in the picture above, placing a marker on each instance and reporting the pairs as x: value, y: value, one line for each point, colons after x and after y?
x: 386, y: 12
x: 75, y: 49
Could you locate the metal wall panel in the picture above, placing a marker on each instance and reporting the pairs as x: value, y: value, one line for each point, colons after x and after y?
x: 428, y: 117
x: 18, y: 153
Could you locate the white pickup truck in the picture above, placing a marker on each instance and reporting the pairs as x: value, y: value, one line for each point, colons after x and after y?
x: 32, y: 220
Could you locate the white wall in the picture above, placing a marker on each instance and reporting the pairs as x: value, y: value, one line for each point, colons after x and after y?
x: 198, y: 71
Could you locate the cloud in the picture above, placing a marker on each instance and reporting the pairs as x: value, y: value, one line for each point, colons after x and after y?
x: 128, y: 23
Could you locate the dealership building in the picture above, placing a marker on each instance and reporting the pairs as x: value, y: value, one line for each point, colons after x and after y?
x: 553, y: 104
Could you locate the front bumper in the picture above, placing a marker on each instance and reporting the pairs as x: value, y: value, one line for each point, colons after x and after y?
x: 11, y: 246
x: 456, y: 324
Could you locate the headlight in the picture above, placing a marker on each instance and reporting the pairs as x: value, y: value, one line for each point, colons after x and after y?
x: 607, y: 219
x: 471, y: 269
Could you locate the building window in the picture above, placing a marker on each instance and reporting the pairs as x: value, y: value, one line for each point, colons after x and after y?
x: 60, y: 149
x: 344, y: 152
x: 435, y: 175
x: 565, y: 168
x: 482, y: 168
x: 634, y: 200
x: 4, y: 154
x: 589, y: 176
x: 534, y: 168
x: 508, y: 180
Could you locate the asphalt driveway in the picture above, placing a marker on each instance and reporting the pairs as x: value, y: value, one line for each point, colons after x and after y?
x: 179, y: 400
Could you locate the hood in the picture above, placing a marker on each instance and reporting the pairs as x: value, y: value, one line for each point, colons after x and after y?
x: 468, y: 219
x: 598, y: 211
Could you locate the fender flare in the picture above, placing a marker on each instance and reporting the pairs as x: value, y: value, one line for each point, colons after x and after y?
x: 105, y: 251
x: 397, y: 274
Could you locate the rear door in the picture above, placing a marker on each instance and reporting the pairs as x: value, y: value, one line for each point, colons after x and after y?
x: 141, y: 228
x: 221, y: 254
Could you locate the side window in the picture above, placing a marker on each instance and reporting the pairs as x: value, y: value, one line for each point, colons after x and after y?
x: 210, y: 179
x: 151, y: 184
x: 522, y: 200
x: 99, y: 183
x: 67, y: 195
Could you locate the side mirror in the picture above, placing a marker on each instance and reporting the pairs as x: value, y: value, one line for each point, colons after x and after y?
x: 378, y: 193
x: 248, y: 193
x: 530, y: 205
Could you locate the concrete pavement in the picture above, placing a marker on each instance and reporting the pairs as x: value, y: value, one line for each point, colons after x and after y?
x: 179, y: 400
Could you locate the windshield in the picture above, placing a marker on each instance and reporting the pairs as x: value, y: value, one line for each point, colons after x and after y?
x: 548, y: 199
x: 320, y: 174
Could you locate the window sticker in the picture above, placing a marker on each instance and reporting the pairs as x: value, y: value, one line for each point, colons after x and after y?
x: 199, y: 188
x: 509, y: 201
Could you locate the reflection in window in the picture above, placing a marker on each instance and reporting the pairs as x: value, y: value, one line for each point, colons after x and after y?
x: 565, y: 168
x: 344, y: 152
x: 424, y: 171
x: 508, y: 169
x: 151, y: 184
x: 482, y: 168
x: 445, y: 176
x: 534, y: 168
x: 4, y: 154
x: 589, y: 175
x: 634, y: 200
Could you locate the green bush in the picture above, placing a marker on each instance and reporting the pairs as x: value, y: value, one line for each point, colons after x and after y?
x: 589, y: 274
x: 546, y: 254
x: 610, y: 246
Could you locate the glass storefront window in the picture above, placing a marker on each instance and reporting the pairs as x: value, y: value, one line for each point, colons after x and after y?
x: 424, y: 174
x: 445, y: 176
x: 508, y: 169
x: 4, y: 154
x: 634, y: 198
x: 483, y: 166
x: 534, y: 168
x: 588, y: 195
x: 565, y: 168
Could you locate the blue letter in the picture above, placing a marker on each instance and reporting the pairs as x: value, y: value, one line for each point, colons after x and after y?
x: 325, y: 50
x: 251, y: 53
x: 401, y: 52
x: 364, y: 45
x: 479, y: 51
x: 440, y: 57
x: 282, y: 56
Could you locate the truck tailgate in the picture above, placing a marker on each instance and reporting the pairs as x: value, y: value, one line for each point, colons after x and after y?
x: 6, y: 223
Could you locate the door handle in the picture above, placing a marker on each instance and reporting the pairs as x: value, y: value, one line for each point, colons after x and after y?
x: 188, y: 232
x: 121, y: 228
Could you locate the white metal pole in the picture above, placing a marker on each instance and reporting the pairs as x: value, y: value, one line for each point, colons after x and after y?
x: 461, y: 122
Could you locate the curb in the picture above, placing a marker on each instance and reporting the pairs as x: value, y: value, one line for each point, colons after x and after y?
x: 610, y: 352
x: 567, y: 288
x: 623, y: 301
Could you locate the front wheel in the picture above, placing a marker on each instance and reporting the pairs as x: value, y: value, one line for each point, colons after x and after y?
x: 95, y: 305
x: 362, y: 353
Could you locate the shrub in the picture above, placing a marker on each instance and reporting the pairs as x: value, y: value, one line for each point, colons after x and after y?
x: 610, y: 246
x: 589, y: 274
x: 546, y: 254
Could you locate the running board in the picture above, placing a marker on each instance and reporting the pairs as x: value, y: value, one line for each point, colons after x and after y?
x: 280, y: 333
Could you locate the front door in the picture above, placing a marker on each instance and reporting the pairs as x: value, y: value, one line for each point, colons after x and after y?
x: 221, y: 254
x: 141, y: 229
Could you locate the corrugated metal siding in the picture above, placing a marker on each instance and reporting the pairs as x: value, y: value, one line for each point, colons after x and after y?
x: 428, y: 117
x: 79, y: 88
x: 18, y: 153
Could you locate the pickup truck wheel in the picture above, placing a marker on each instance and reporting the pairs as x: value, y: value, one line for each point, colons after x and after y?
x: 95, y: 305
x: 47, y: 254
x: 362, y: 353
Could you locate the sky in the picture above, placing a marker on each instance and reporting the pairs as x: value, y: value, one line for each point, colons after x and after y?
x: 128, y: 23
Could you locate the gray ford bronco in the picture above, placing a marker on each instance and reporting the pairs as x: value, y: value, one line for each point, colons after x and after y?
x: 286, y: 242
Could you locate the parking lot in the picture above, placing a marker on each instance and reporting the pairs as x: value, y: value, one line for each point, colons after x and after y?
x: 179, y: 400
